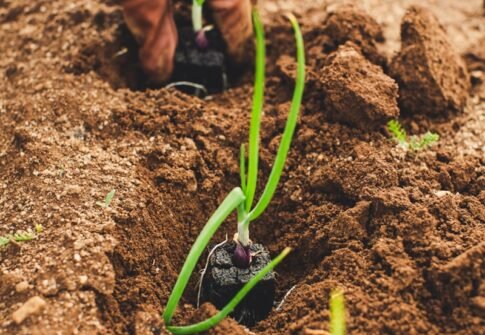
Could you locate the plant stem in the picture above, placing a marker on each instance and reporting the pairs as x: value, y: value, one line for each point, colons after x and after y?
x: 232, y: 200
x: 258, y: 96
x: 197, y: 15
x: 243, y: 231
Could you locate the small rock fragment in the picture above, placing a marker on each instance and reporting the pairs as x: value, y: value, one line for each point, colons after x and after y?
x: 48, y: 287
x: 83, y: 279
x: 22, y: 286
x: 356, y: 91
x: 432, y: 78
x: 77, y: 257
x: 31, y: 306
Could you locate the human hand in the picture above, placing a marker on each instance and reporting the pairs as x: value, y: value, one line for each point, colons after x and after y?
x: 153, y: 25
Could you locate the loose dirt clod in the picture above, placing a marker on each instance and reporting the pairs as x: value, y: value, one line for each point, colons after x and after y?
x: 32, y: 306
x: 351, y: 23
x: 356, y: 91
x: 432, y: 78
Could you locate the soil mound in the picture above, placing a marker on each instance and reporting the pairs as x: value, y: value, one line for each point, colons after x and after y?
x: 356, y: 91
x: 348, y: 23
x: 432, y: 78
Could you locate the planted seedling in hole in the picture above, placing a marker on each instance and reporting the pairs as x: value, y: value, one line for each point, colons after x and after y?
x: 242, y: 256
x: 236, y: 262
x: 413, y: 143
x: 199, y: 60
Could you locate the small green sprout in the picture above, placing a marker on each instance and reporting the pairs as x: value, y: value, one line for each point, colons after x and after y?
x: 337, y: 312
x: 424, y: 141
x: 398, y: 132
x: 107, y: 199
x: 414, y: 143
x: 21, y: 236
x: 241, y: 198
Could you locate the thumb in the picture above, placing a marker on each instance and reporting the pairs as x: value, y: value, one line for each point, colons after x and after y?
x: 152, y: 24
x: 233, y: 18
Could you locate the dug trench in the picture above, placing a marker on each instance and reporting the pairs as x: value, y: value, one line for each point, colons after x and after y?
x: 402, y: 234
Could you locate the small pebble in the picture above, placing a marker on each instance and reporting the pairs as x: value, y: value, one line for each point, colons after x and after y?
x: 83, y: 279
x: 31, y: 306
x: 22, y: 286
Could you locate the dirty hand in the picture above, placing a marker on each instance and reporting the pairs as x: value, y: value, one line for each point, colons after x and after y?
x: 152, y: 24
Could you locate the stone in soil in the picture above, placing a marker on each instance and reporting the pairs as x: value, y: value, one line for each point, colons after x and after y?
x: 30, y: 307
x: 357, y: 92
x: 223, y: 280
x: 432, y: 78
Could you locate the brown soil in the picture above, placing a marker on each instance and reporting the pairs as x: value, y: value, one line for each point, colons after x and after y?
x: 402, y: 234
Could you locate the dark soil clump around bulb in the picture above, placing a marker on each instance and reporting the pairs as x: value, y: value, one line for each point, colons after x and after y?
x: 204, y: 67
x: 223, y: 280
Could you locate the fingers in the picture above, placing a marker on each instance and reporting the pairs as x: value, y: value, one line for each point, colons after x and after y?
x: 233, y: 18
x: 152, y: 24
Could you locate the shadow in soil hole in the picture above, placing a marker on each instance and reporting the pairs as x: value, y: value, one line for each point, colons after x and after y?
x: 196, y: 71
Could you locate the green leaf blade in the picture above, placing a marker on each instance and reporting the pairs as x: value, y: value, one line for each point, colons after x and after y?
x: 290, y: 126
x: 242, y: 168
x: 258, y: 99
x: 337, y: 313
x: 109, y: 197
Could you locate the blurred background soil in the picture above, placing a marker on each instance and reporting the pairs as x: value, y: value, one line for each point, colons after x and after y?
x: 402, y: 234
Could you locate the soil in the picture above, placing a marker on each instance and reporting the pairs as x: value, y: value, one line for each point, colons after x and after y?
x: 402, y: 234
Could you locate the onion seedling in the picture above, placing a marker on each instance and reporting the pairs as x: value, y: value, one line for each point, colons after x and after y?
x: 241, y: 198
x: 232, y: 265
x: 232, y: 200
x: 246, y: 212
x: 199, y: 60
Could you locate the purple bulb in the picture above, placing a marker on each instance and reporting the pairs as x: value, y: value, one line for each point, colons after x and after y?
x: 242, y: 256
x: 201, y: 40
